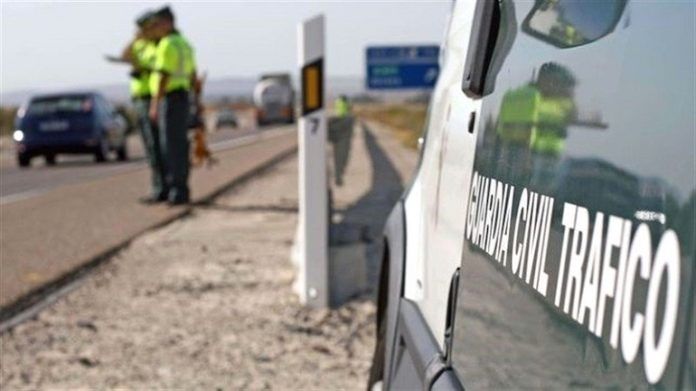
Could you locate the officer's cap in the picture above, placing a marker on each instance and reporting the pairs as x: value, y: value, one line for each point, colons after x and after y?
x: 146, y: 18
x: 559, y: 72
x: 165, y: 13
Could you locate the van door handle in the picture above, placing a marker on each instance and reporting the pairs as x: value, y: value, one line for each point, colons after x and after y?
x: 451, y: 315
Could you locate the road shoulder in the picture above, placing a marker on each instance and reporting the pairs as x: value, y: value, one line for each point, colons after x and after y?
x: 48, y: 238
x: 204, y: 302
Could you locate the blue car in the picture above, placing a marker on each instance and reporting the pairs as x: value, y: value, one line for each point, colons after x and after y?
x: 70, y: 123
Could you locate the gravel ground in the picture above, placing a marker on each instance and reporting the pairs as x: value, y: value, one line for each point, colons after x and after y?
x: 204, y: 302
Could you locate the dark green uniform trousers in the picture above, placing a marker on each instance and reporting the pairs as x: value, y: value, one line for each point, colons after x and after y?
x: 173, y: 128
x: 151, y: 143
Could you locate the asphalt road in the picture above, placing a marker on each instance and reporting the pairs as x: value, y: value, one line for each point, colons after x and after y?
x: 54, y: 220
x: 21, y: 183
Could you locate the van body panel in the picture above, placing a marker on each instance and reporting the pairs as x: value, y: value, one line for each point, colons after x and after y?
x: 434, y: 237
x: 577, y: 266
x: 570, y: 207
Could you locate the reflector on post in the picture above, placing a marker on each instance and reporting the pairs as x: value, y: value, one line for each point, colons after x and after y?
x: 312, y: 87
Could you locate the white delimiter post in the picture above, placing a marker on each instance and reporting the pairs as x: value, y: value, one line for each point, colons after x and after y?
x: 312, y: 241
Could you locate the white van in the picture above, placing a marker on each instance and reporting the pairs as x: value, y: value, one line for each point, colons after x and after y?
x: 548, y: 240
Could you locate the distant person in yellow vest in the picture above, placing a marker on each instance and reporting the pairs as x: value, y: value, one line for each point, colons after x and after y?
x: 341, y: 135
x: 172, y: 83
x: 342, y: 107
x: 141, y: 54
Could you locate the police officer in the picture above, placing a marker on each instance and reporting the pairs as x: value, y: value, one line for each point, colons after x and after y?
x: 555, y: 112
x: 341, y: 135
x: 532, y: 125
x: 516, y: 123
x: 174, y: 77
x: 141, y: 54
x: 342, y: 106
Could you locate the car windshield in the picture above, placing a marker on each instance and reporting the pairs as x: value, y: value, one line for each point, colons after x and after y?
x: 60, y: 104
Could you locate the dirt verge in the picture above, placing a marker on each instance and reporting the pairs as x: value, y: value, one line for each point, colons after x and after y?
x: 204, y: 302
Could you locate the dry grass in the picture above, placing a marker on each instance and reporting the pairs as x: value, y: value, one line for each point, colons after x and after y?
x: 405, y: 120
x: 7, y: 115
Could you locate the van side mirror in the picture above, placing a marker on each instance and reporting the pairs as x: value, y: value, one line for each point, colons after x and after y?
x: 571, y: 23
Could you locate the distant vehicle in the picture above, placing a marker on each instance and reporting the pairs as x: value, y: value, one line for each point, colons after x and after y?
x: 226, y: 117
x: 82, y: 123
x: 274, y: 99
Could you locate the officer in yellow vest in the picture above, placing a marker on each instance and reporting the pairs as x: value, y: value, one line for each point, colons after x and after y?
x: 173, y: 79
x: 516, y: 121
x: 342, y: 106
x: 555, y: 113
x: 533, y: 121
x: 141, y: 54
x: 341, y: 135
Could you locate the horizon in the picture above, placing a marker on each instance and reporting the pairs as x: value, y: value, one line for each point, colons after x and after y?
x: 272, y: 47
x: 232, y: 87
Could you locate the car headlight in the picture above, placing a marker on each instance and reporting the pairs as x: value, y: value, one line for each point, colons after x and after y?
x: 18, y: 135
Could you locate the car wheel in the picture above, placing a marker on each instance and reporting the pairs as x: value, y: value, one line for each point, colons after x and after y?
x: 23, y: 160
x: 102, y: 151
x: 50, y: 159
x: 122, y: 153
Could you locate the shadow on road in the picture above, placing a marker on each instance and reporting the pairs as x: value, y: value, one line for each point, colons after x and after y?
x: 90, y: 162
x: 246, y: 208
x: 364, y: 221
x: 77, y: 163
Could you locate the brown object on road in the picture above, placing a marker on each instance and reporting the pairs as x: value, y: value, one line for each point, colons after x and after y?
x: 201, y: 152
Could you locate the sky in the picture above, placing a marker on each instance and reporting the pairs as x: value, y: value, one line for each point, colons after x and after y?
x: 52, y: 45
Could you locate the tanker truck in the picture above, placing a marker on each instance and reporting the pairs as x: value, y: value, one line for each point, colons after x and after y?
x: 274, y: 99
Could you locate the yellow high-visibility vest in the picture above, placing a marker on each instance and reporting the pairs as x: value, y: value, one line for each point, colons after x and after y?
x: 143, y: 52
x: 342, y: 108
x: 173, y: 57
x: 551, y: 131
x: 527, y: 117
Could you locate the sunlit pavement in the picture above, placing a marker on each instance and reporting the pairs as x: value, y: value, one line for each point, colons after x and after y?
x: 52, y: 233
